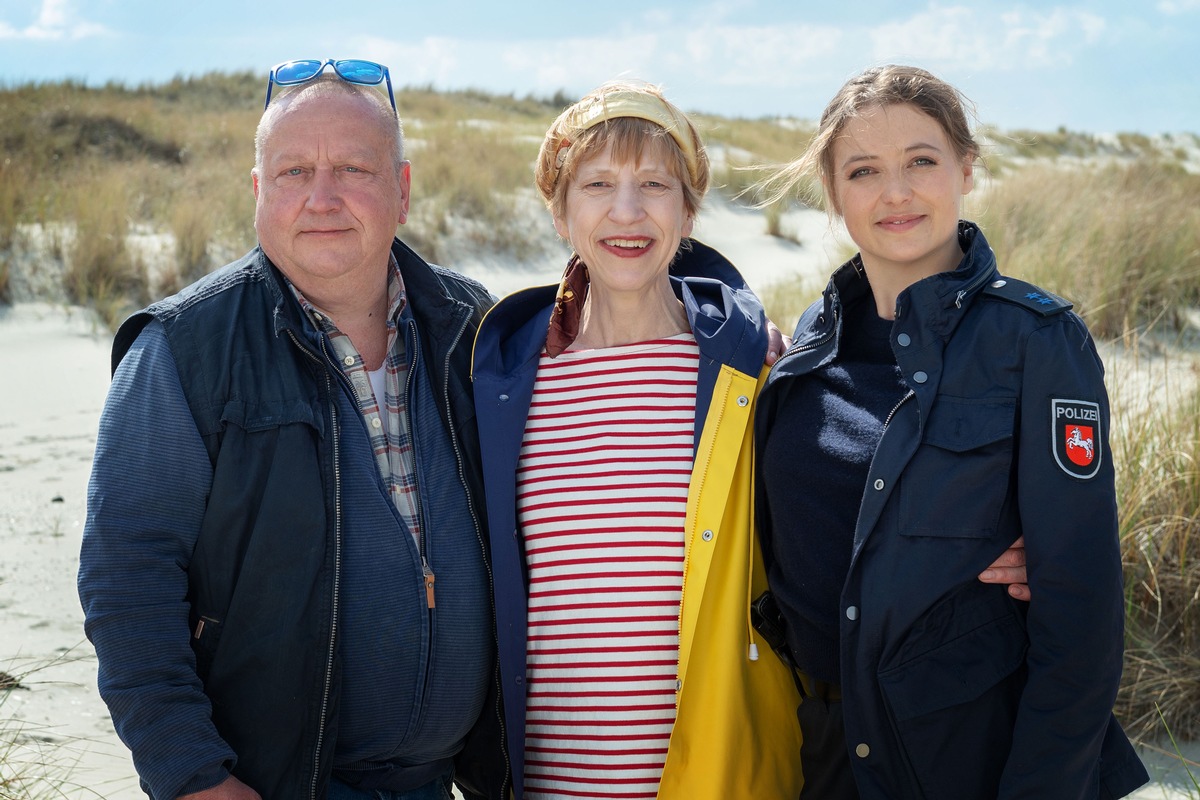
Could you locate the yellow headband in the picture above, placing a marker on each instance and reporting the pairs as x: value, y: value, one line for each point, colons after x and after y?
x: 639, y: 105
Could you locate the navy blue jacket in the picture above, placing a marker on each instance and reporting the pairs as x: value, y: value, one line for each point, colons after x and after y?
x: 235, y: 506
x: 951, y: 688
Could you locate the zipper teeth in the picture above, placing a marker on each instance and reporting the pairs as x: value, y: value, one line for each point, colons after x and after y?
x: 804, y: 348
x: 462, y: 476
x: 896, y: 408
x: 412, y: 442
x: 337, y: 560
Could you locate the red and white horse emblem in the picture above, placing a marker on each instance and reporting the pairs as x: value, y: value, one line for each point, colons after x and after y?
x: 1076, y: 442
x: 1076, y: 436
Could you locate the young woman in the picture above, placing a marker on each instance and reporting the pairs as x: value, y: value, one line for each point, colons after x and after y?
x: 929, y: 412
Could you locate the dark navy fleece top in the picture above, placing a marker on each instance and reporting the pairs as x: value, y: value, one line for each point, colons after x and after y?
x: 818, y: 454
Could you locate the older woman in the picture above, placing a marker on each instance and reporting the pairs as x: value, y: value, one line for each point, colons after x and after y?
x: 615, y: 417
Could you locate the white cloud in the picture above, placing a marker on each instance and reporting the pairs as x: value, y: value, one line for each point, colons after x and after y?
x: 1171, y: 7
x: 713, y: 54
x: 976, y: 39
x: 56, y: 21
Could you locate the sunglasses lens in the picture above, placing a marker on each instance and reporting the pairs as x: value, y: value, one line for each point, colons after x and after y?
x: 297, y: 71
x: 364, y: 72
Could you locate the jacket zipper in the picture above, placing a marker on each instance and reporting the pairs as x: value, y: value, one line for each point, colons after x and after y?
x: 462, y: 477
x: 896, y: 408
x: 804, y: 348
x: 427, y: 575
x: 327, y: 684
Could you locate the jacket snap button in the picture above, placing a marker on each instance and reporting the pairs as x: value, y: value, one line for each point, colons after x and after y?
x: 862, y: 750
x: 998, y: 284
x: 503, y: 398
x: 879, y: 484
x: 852, y: 613
x: 920, y: 377
x: 904, y: 340
x: 743, y: 401
x: 706, y: 536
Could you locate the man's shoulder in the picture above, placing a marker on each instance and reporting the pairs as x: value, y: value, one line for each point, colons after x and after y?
x: 216, y: 300
x: 462, y: 287
x: 251, y: 270
x: 424, y: 279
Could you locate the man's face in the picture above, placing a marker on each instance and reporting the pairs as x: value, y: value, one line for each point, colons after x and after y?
x: 328, y: 193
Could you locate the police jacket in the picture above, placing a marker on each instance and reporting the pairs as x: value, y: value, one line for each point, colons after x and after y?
x: 951, y: 688
x: 288, y: 488
x: 735, y: 733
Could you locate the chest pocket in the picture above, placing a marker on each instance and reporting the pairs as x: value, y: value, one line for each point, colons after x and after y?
x: 956, y: 484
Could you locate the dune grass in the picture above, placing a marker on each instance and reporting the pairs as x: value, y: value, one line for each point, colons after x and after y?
x: 1121, y: 242
x: 1158, y: 476
x: 35, y: 763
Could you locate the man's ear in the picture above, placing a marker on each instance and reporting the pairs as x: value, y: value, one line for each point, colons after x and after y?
x: 254, y: 181
x: 405, y: 190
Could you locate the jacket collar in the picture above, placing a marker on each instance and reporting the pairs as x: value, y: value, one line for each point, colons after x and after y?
x: 728, y: 323
x: 431, y: 305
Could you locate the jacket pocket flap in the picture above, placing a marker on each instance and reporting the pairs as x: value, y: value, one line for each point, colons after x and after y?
x: 956, y: 672
x: 260, y: 417
x: 960, y: 423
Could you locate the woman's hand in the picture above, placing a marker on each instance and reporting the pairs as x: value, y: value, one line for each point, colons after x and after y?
x: 1009, y: 568
x: 776, y: 343
x: 229, y: 789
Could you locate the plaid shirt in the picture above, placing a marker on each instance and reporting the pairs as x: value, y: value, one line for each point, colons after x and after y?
x: 388, y: 430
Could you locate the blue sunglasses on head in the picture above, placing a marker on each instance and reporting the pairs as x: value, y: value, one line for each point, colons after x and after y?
x: 351, y: 70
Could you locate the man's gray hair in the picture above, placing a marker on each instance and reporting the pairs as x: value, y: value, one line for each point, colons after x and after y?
x: 325, y: 85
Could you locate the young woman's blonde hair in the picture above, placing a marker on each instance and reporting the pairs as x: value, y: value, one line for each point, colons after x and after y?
x: 874, y: 88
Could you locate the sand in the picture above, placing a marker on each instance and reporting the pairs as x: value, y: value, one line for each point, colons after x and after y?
x: 55, y: 359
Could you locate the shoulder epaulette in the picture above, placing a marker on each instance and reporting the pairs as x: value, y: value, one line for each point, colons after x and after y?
x: 1026, y: 295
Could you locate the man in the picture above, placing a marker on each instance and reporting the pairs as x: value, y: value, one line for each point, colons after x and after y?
x: 283, y: 568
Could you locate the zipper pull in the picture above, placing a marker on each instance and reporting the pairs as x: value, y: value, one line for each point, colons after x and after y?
x: 428, y: 583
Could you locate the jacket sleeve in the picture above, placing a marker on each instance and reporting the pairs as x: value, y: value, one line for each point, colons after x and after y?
x: 150, y: 479
x: 1068, y: 514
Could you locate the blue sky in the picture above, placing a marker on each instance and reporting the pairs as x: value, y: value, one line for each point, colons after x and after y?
x: 1097, y: 67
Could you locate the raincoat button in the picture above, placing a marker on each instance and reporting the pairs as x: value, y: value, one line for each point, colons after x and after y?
x: 503, y: 398
x: 678, y: 685
x: 879, y: 484
x: 920, y: 377
x: 743, y: 401
x: 862, y: 750
x: 904, y: 340
x: 706, y: 536
x: 852, y: 613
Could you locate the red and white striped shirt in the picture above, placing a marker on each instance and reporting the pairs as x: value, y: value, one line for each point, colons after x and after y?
x: 601, y: 496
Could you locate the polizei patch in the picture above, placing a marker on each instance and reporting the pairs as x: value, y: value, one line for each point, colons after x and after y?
x: 1076, y: 431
